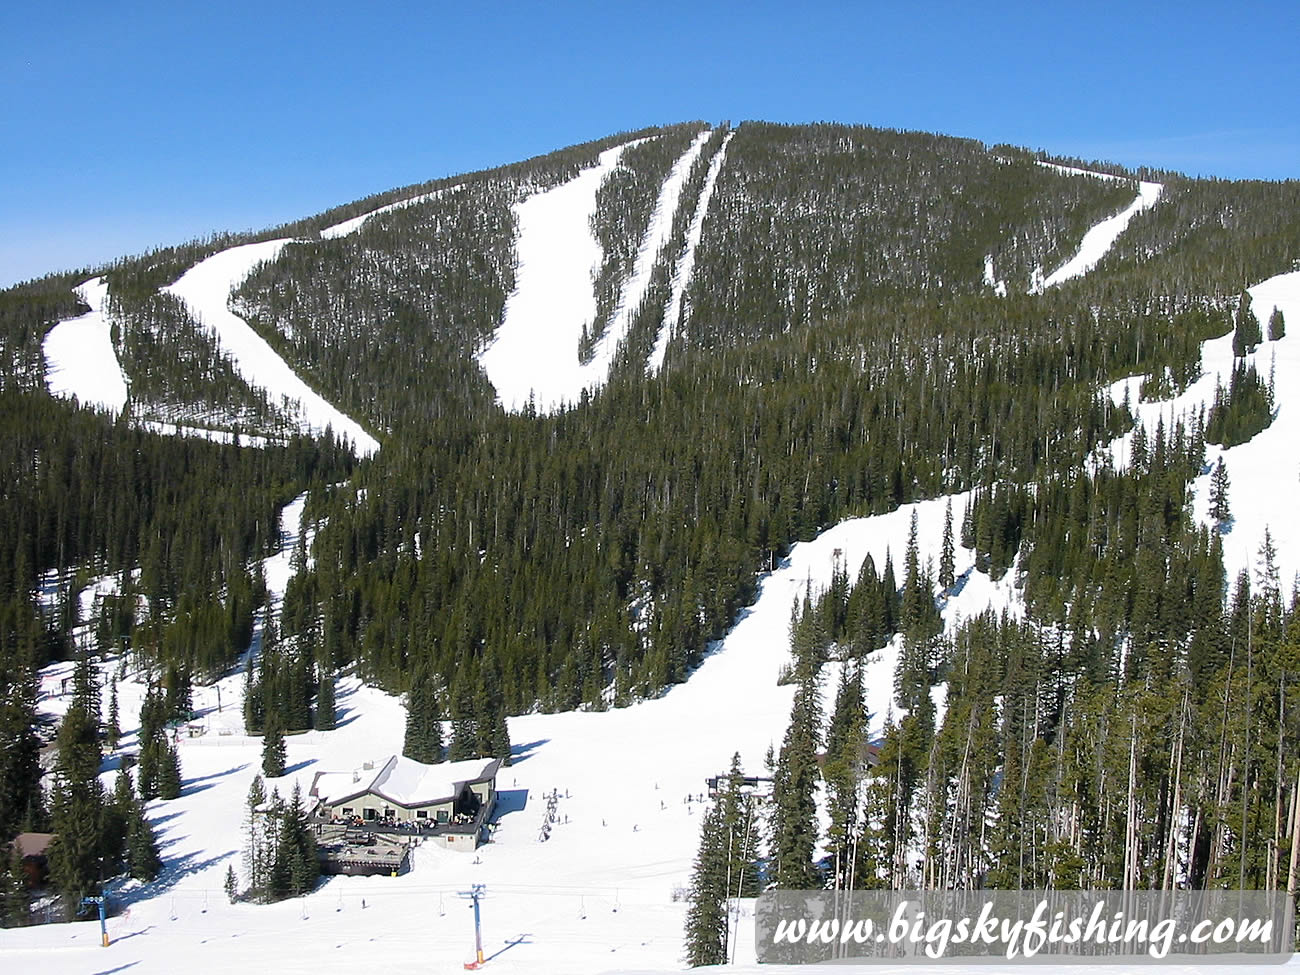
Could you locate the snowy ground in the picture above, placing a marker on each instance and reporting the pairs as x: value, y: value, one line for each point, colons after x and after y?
x: 79, y: 357
x: 1263, y: 473
x: 205, y: 289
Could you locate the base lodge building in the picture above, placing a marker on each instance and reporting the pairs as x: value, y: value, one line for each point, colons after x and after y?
x: 404, y: 797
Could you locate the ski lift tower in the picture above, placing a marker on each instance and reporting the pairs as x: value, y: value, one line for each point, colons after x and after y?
x: 477, y: 892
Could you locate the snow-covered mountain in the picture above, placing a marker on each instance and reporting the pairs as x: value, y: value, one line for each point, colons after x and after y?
x: 612, y: 413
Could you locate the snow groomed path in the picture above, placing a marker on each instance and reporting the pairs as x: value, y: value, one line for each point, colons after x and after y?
x: 534, y: 356
x: 206, y: 288
x: 686, y: 267
x: 80, y: 360
x: 1100, y: 238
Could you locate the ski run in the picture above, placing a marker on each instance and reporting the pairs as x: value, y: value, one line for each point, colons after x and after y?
x: 80, y: 360
x: 534, y: 357
x: 682, y: 276
x: 1099, y: 239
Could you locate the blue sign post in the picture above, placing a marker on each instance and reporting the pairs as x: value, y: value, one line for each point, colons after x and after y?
x: 103, y: 922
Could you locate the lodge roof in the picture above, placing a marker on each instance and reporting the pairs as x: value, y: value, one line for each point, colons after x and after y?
x: 404, y: 782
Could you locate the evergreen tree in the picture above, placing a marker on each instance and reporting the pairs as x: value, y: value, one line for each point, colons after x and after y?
x: 794, y: 808
x: 423, y: 741
x: 15, y: 896
x: 947, y: 574
x: 1276, y: 325
x: 1220, y: 513
x: 231, y: 884
x: 113, y: 733
x: 273, y: 748
x: 464, y: 733
x: 77, y: 810
x: 326, y: 716
x: 20, y: 772
x: 706, y: 913
x: 169, y: 771
x: 143, y: 858
x: 1247, y: 334
x: 255, y: 853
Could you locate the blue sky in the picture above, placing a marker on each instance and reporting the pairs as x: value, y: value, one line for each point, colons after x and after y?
x: 136, y: 124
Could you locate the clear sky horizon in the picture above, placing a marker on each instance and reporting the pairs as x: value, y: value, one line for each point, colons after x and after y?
x: 141, y: 124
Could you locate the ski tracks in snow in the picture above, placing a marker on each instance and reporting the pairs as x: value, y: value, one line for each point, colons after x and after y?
x: 686, y: 267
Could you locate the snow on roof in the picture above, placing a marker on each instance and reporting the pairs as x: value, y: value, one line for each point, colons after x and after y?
x: 404, y: 781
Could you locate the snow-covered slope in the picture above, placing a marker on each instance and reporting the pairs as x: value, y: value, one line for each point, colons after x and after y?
x: 1263, y: 472
x: 598, y: 895
x: 534, y: 355
x: 205, y: 289
x: 657, y: 234
x: 354, y: 224
x: 1100, y: 238
x: 80, y: 359
x: 686, y: 266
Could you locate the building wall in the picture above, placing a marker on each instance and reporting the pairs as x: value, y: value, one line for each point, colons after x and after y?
x: 382, y: 809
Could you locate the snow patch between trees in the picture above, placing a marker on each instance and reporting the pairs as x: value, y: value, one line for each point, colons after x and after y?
x: 1263, y: 472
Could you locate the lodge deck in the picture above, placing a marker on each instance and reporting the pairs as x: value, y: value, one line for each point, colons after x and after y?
x: 346, y: 851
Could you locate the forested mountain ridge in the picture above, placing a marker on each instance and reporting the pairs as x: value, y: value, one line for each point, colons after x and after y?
x: 841, y: 348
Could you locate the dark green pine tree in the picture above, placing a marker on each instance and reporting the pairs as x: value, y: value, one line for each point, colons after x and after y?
x: 794, y: 805
x: 295, y: 867
x: 77, y: 810
x: 490, y: 711
x: 842, y: 768
x: 113, y: 732
x: 15, y: 895
x: 1247, y: 334
x: 149, y: 771
x: 117, y: 813
x: 1276, y: 325
x: 946, y: 568
x: 706, y: 913
x: 1220, y: 513
x: 423, y: 741
x: 20, y: 770
x: 169, y: 771
x: 741, y: 822
x: 326, y: 716
x: 143, y: 859
x: 464, y: 736
x: 231, y: 884
x: 273, y: 747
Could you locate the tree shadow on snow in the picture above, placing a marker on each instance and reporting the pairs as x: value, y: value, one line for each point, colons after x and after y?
x: 216, y: 775
x: 172, y: 872
x: 520, y: 753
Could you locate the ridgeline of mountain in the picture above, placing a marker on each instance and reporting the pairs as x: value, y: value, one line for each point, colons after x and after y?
x: 519, y: 504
